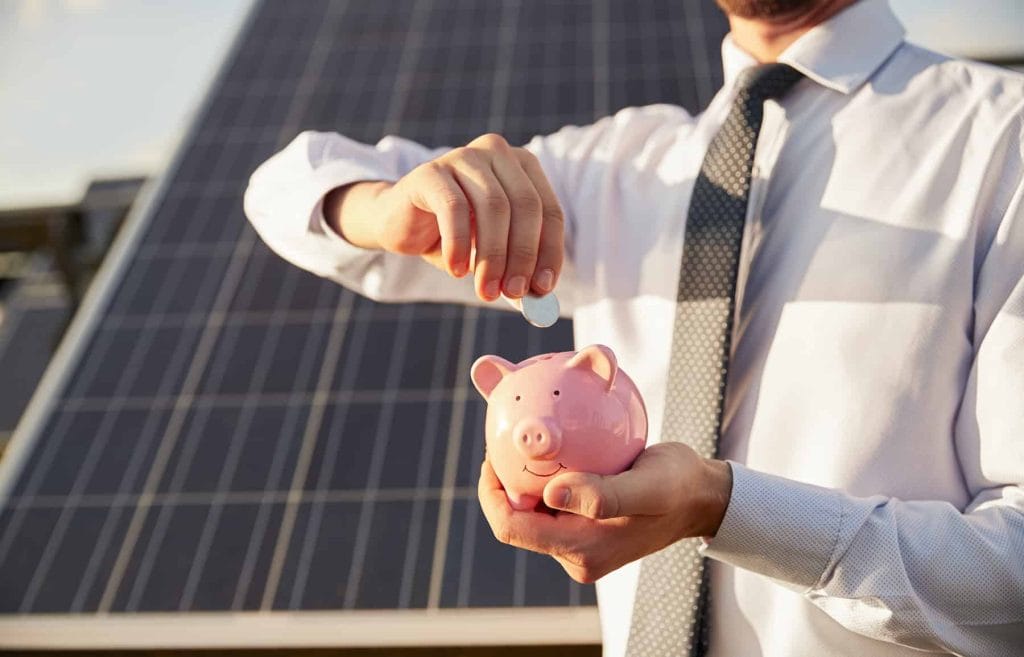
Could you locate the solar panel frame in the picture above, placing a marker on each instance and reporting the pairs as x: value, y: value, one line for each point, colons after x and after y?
x: 452, y: 605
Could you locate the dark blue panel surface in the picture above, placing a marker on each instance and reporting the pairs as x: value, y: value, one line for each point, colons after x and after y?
x: 395, y: 571
x: 128, y: 453
x: 53, y: 593
x: 324, y: 556
x: 29, y: 541
x: 168, y: 558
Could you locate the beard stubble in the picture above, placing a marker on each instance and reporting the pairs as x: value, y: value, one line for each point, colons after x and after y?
x: 767, y: 9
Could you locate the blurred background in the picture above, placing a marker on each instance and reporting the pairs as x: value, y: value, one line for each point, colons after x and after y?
x: 187, y: 444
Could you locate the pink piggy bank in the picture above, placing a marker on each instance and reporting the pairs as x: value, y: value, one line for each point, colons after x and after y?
x: 555, y: 413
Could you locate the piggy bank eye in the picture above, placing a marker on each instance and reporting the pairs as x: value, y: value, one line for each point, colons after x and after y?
x: 557, y: 393
x: 517, y: 397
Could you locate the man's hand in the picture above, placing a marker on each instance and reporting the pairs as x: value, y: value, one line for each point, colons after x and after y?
x: 602, y: 523
x: 487, y: 194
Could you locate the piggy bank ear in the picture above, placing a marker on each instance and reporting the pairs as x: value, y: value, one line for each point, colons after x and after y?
x: 488, y: 371
x: 599, y: 359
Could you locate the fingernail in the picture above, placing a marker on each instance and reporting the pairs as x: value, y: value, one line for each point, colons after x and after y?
x: 563, y: 495
x: 491, y: 289
x: 545, y: 279
x: 459, y: 270
x: 516, y: 286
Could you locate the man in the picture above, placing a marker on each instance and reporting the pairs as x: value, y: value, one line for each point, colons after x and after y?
x: 871, y: 503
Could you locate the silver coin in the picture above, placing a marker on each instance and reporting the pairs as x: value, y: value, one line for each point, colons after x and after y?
x: 540, y: 311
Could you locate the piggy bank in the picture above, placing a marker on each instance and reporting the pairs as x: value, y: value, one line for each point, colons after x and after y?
x: 555, y: 413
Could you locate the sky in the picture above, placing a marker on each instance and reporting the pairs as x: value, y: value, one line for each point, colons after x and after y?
x: 106, y: 87
x: 100, y: 87
x: 983, y: 29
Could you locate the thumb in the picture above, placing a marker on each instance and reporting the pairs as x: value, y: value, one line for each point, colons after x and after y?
x: 646, y: 489
x: 584, y: 494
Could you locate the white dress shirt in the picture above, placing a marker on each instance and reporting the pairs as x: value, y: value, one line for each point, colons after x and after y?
x: 875, y: 411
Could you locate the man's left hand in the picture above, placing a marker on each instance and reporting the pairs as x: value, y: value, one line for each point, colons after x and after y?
x: 601, y: 523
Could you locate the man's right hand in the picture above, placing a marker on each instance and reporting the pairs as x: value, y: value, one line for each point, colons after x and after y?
x: 487, y: 195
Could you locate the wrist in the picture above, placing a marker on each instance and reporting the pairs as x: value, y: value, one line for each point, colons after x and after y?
x: 352, y: 211
x: 717, y: 493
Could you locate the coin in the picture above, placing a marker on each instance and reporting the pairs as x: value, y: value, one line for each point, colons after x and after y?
x: 541, y: 311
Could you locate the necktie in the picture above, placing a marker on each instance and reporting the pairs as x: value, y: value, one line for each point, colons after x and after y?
x: 669, y: 614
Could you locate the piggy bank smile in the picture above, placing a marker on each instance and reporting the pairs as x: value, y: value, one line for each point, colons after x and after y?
x: 553, y: 409
x: 551, y: 474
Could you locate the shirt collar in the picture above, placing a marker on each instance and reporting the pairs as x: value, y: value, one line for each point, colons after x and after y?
x: 841, y: 53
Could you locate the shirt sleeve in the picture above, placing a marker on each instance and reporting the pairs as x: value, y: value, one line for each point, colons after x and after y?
x: 284, y: 203
x: 924, y: 574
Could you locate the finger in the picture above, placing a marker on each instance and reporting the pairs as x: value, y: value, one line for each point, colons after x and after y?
x: 551, y: 247
x: 524, y: 225
x: 489, y: 479
x: 530, y: 530
x: 494, y: 502
x: 440, y: 194
x: 492, y: 212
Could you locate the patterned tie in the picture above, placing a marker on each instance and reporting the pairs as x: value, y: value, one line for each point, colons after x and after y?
x: 669, y: 614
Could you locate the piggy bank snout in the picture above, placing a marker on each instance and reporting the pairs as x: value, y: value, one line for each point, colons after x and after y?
x: 537, y: 438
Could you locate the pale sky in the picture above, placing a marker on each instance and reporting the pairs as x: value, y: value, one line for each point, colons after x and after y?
x: 100, y: 87
x: 983, y: 29
x: 106, y: 87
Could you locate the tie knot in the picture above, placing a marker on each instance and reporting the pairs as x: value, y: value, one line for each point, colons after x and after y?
x: 759, y: 83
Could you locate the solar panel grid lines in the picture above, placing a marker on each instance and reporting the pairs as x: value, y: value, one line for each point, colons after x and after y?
x: 249, y: 406
x: 239, y: 435
x: 647, y: 34
x: 126, y: 382
x: 380, y: 443
x: 51, y: 450
x: 301, y: 475
x: 245, y: 420
x: 284, y: 537
x: 507, y: 30
x: 332, y: 352
x: 489, y: 346
x: 226, y: 290
x: 172, y: 432
x: 315, y: 415
x: 432, y: 431
x: 200, y: 356
x: 455, y: 436
x: 704, y: 77
x: 600, y: 24
x: 195, y: 427
x: 34, y: 480
x: 390, y: 494
x: 235, y: 400
x: 468, y: 545
x: 418, y: 20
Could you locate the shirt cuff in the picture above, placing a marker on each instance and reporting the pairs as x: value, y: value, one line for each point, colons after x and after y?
x: 777, y: 527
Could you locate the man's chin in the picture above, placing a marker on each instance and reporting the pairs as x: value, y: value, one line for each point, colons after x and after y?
x: 768, y: 9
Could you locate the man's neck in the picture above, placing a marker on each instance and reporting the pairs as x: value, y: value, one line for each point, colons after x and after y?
x: 765, y: 39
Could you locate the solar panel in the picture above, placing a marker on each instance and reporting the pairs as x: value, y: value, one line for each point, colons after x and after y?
x: 223, y: 432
